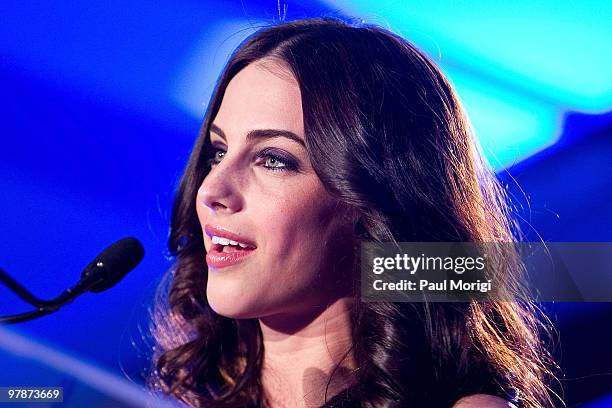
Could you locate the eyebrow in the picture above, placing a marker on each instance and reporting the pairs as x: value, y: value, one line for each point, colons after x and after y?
x: 261, y: 134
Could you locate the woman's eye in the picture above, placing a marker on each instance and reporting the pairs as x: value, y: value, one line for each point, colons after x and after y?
x: 275, y: 161
x: 266, y: 159
x: 217, y: 156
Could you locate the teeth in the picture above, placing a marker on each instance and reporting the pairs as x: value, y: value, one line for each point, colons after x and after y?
x: 220, y: 240
x: 225, y: 241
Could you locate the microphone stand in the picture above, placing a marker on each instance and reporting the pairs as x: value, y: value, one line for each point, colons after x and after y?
x: 90, y: 277
x: 108, y: 268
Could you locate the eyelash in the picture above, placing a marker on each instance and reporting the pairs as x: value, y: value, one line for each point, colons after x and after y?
x: 287, y: 164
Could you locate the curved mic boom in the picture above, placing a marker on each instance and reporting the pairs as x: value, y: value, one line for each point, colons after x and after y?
x: 106, y: 270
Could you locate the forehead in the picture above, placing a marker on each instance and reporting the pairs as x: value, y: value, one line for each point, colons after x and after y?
x: 263, y: 95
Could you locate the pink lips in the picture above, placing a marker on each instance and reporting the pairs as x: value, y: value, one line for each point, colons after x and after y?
x: 217, y: 259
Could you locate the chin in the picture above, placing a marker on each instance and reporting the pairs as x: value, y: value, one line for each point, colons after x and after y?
x: 229, y: 309
x: 231, y: 313
x: 231, y: 305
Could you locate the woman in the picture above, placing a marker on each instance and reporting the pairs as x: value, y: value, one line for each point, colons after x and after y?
x: 321, y: 135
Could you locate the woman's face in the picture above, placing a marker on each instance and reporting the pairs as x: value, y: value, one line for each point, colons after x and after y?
x: 263, y: 193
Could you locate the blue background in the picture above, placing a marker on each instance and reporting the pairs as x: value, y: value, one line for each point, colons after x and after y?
x: 102, y: 101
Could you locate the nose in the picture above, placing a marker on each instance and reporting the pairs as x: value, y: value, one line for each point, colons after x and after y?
x: 220, y: 191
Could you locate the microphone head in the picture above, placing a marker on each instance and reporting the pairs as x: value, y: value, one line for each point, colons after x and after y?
x: 113, y: 264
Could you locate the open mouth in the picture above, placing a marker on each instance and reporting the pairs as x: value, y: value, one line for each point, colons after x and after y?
x: 226, y: 252
x: 224, y: 245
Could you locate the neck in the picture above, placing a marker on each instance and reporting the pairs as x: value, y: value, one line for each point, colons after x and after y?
x: 301, y: 352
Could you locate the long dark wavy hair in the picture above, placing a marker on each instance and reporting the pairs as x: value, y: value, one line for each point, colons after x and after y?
x: 386, y: 135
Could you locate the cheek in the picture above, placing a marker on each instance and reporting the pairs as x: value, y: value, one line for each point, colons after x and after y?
x: 201, y: 212
x: 299, y: 235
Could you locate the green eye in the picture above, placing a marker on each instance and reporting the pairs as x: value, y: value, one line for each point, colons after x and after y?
x: 216, y: 158
x: 219, y: 154
x: 274, y: 162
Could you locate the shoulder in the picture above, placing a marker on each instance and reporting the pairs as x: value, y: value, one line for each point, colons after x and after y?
x: 483, y: 401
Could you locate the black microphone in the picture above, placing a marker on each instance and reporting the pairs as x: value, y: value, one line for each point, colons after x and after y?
x: 104, y: 272
x: 113, y: 264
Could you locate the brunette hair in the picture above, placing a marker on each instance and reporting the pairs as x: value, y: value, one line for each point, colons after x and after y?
x: 386, y: 135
